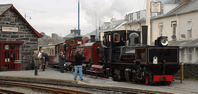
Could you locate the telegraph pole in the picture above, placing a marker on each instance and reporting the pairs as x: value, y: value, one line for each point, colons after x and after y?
x: 148, y: 21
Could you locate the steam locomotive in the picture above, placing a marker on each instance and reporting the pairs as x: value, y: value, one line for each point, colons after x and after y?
x: 128, y: 59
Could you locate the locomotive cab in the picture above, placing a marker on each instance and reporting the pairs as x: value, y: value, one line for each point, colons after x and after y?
x: 118, y: 43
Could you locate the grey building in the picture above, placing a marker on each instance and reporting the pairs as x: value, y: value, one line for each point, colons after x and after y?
x: 18, y: 39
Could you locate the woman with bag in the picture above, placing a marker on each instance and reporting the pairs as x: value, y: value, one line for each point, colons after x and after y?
x: 37, y: 62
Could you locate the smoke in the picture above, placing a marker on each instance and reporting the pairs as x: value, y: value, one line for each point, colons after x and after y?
x: 105, y: 9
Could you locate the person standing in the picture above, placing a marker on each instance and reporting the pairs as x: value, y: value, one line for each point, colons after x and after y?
x: 33, y: 65
x: 41, y: 59
x: 46, y: 60
x: 37, y: 62
x: 78, y: 65
x: 62, y: 62
x: 104, y: 45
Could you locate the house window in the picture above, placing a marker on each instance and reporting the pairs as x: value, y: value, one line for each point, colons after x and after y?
x: 131, y: 17
x: 138, y: 15
x: 160, y: 29
x: 189, y: 34
x: 189, y: 29
x: 174, y: 29
x: 190, y: 54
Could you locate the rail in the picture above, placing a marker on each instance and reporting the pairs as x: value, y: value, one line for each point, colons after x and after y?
x: 46, y: 88
x: 87, y: 87
x: 5, y: 91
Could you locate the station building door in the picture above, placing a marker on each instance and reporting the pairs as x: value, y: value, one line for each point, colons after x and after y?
x: 9, y: 55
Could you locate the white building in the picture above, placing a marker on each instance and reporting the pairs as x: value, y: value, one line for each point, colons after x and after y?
x: 180, y: 25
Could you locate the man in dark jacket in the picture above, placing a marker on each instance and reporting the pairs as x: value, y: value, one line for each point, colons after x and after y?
x: 46, y: 60
x: 62, y: 62
x: 104, y: 45
x: 78, y: 65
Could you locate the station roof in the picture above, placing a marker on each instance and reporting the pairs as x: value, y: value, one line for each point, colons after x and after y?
x: 6, y: 7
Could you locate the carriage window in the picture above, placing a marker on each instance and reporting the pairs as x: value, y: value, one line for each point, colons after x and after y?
x: 116, y: 37
x: 72, y: 42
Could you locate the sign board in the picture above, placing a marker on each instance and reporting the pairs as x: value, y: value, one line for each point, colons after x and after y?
x: 10, y: 29
x: 155, y: 7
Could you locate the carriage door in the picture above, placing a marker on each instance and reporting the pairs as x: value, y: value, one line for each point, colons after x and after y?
x: 11, y: 56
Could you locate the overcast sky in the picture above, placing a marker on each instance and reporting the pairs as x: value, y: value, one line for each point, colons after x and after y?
x: 60, y: 16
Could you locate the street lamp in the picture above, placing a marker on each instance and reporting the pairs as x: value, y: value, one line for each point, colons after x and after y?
x: 27, y: 16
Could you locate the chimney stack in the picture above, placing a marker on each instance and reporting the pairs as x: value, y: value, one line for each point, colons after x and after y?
x: 92, y: 38
x: 144, y: 34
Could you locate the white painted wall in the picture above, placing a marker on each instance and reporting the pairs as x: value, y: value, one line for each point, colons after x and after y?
x: 167, y: 29
x: 183, y: 21
x: 142, y: 14
x: 134, y: 16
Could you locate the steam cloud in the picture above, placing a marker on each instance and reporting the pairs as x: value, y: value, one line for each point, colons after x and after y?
x: 105, y: 9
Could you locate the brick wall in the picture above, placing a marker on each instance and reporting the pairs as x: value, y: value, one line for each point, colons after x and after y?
x: 25, y: 34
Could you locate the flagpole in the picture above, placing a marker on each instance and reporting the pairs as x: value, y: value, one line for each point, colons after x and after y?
x: 78, y: 18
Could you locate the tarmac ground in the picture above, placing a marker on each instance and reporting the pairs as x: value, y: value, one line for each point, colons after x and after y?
x: 187, y: 87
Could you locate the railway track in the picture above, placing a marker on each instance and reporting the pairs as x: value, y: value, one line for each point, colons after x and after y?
x: 4, y: 91
x: 44, y: 88
x: 87, y: 87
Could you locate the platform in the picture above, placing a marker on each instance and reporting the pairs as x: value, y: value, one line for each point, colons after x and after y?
x: 187, y: 87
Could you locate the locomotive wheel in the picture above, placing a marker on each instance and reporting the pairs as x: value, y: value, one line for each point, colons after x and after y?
x: 146, y: 79
x: 128, y: 75
x: 122, y: 76
x: 114, y: 77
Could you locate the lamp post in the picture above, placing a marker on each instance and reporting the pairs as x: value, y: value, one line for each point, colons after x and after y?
x: 27, y: 16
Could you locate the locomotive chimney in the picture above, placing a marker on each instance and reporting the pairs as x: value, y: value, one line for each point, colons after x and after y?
x: 92, y: 38
x: 144, y: 35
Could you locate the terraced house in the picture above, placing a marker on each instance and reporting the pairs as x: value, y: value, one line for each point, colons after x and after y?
x: 18, y: 39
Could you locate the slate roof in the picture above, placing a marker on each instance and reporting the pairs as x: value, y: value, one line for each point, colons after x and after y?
x: 115, y: 24
x: 5, y: 7
x: 110, y: 26
x: 184, y: 43
x: 185, y: 7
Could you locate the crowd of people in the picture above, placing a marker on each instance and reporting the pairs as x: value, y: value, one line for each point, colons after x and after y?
x: 40, y: 61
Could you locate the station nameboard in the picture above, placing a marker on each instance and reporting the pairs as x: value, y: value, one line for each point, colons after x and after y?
x: 155, y: 7
x: 10, y: 29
